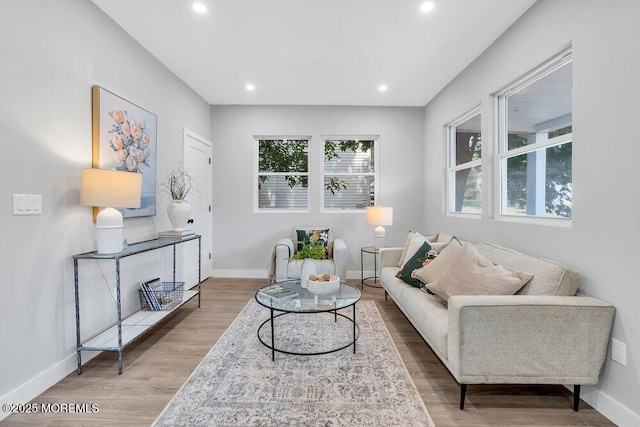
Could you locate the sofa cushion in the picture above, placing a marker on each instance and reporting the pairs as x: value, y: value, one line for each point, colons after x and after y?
x: 471, y: 273
x: 428, y: 315
x: 410, y: 236
x: 549, y: 277
x: 435, y: 268
x: 394, y: 286
x: 322, y: 266
x: 414, y: 263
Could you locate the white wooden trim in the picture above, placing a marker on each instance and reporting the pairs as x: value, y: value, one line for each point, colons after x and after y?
x: 558, y: 140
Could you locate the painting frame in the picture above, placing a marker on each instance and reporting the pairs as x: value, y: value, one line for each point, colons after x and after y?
x: 125, y: 138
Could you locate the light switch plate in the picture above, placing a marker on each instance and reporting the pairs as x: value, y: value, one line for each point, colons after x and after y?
x: 27, y: 204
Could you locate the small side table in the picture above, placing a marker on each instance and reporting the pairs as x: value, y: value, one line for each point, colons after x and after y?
x: 369, y: 250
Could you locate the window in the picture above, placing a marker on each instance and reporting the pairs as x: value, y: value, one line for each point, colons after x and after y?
x: 350, y: 173
x: 283, y: 173
x: 464, y: 142
x: 535, y: 142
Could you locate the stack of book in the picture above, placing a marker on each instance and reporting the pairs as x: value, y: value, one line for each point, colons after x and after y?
x: 173, y: 234
x: 147, y: 293
x: 278, y: 292
x: 156, y: 295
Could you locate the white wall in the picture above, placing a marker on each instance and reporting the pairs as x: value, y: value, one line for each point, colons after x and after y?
x: 603, y: 240
x: 51, y: 54
x: 242, y: 239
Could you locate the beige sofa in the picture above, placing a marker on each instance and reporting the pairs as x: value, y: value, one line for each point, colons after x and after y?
x: 542, y: 335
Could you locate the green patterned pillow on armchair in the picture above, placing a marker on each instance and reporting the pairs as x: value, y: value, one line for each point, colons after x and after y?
x: 308, y: 242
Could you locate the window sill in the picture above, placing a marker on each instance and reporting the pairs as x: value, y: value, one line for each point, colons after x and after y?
x: 531, y: 220
x: 282, y: 211
x: 464, y: 215
x: 351, y: 211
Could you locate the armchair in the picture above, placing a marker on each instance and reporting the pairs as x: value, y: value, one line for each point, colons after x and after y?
x: 285, y: 268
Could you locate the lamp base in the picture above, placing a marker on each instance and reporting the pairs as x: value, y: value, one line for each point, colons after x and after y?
x: 379, y: 236
x: 109, y: 231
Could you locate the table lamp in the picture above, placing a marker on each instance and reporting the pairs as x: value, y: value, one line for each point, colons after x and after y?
x: 108, y: 189
x: 379, y: 216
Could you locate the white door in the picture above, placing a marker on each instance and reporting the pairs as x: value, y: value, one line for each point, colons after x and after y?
x: 197, y: 162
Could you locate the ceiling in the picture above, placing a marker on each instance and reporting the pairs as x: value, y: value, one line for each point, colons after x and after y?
x: 329, y: 52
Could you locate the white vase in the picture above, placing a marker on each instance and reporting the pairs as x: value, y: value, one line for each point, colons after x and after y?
x: 308, y: 267
x: 179, y: 212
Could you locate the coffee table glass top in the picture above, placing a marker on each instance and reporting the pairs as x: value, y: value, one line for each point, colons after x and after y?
x: 305, y: 302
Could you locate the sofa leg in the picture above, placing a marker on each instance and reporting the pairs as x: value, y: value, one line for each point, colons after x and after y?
x: 385, y: 295
x: 463, y: 392
x: 576, y: 397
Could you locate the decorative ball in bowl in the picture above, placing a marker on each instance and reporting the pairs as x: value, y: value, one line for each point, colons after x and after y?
x: 323, y: 284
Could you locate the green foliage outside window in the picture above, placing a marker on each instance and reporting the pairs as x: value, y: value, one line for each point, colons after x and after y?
x: 467, y: 195
x: 559, y: 177
x: 277, y: 155
x: 291, y: 155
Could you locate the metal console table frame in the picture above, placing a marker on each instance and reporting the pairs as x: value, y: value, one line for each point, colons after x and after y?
x: 114, y: 339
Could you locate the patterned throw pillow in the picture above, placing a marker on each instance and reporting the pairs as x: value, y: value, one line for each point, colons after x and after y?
x: 314, y: 237
x: 414, y: 263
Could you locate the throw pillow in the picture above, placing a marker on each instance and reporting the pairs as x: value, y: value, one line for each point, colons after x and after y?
x: 435, y: 268
x: 415, y: 244
x: 430, y: 238
x: 313, y: 237
x: 413, y: 263
x: 471, y: 273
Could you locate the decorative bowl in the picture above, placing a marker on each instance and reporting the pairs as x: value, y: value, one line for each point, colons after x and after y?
x: 320, y: 287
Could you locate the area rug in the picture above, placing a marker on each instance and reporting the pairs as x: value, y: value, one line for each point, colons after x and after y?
x: 237, y: 383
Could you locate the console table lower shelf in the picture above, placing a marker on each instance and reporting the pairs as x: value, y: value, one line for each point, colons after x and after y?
x: 132, y: 327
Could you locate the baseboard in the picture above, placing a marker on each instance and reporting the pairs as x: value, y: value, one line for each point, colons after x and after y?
x: 609, y: 407
x: 264, y: 274
x: 42, y: 381
x: 240, y: 274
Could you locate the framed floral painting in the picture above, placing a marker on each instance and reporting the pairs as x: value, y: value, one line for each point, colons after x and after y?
x: 125, y: 138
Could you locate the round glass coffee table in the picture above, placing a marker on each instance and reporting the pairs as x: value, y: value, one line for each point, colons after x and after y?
x: 304, y: 302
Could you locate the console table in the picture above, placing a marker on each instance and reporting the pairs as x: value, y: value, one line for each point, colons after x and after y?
x: 127, y: 330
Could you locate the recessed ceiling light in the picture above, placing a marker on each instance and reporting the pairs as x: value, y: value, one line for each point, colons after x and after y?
x: 382, y: 88
x: 250, y: 88
x: 200, y: 7
x: 427, y: 7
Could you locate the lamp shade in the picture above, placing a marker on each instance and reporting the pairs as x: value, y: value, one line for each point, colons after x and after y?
x: 378, y: 215
x: 110, y: 188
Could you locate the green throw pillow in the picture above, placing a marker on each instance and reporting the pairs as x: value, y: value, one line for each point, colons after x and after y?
x: 414, y: 263
x: 313, y: 237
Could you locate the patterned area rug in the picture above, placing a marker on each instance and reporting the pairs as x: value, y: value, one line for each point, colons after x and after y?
x: 237, y: 384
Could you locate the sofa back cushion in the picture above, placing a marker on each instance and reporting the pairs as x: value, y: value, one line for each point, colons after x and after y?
x: 549, y: 277
x: 407, y: 243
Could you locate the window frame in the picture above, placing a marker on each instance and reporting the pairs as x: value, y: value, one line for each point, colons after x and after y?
x: 375, y: 174
x: 452, y: 168
x: 257, y: 173
x: 503, y: 153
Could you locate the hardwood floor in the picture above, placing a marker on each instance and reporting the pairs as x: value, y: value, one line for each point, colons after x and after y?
x: 156, y: 365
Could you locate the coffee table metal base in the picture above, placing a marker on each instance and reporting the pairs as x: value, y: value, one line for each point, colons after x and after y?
x: 272, y: 346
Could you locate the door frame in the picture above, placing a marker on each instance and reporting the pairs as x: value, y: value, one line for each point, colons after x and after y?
x: 206, y: 272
